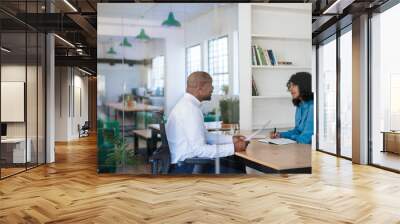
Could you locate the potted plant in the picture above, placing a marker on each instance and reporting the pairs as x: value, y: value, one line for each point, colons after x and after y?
x: 121, y: 156
x: 229, y: 110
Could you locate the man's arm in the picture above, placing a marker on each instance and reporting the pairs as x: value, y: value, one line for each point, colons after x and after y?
x: 196, y: 135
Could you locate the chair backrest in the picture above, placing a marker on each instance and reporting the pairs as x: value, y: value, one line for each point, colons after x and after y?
x: 162, y: 156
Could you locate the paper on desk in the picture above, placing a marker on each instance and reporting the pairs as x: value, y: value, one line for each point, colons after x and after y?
x: 254, y: 134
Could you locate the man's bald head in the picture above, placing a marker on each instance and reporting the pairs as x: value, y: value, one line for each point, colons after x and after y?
x: 199, y: 84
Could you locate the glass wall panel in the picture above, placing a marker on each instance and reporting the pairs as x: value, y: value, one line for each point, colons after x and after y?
x: 385, y: 84
x: 13, y: 86
x: 22, y: 90
x: 327, y: 96
x: 346, y: 94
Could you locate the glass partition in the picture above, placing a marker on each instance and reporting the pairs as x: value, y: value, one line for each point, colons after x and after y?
x: 327, y: 97
x: 385, y: 85
x: 15, y: 151
x: 346, y: 94
x: 22, y: 66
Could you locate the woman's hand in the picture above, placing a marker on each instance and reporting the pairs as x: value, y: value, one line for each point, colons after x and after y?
x: 274, y: 135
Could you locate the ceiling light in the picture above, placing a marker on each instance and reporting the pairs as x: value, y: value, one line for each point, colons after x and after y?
x: 70, y: 5
x: 84, y: 71
x: 338, y: 6
x: 142, y: 35
x: 111, y: 51
x: 125, y: 43
x: 5, y: 50
x: 64, y: 40
x: 171, y: 21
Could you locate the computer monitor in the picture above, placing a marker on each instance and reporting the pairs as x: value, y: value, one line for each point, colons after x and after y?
x: 3, y: 130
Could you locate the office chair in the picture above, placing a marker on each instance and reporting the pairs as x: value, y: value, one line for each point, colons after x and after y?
x: 161, y: 158
x: 84, y: 130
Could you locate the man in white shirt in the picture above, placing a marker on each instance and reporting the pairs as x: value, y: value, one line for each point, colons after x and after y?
x: 186, y: 133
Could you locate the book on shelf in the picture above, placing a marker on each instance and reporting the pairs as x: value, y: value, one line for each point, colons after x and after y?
x: 268, y: 60
x: 264, y: 57
x: 254, y: 91
x: 271, y: 57
x: 253, y: 56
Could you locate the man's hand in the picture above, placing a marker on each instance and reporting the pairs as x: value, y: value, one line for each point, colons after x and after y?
x: 274, y: 135
x: 240, y: 143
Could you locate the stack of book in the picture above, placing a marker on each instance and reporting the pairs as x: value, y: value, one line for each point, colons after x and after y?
x: 262, y: 57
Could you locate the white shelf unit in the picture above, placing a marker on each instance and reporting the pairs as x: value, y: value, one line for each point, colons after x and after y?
x: 286, y: 29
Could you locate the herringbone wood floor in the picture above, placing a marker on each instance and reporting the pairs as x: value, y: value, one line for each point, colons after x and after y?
x: 70, y: 191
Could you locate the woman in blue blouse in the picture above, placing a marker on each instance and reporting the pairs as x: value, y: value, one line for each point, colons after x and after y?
x: 299, y: 86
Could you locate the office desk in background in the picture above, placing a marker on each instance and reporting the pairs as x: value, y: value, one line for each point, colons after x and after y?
x: 137, y: 107
x: 13, y: 150
x: 391, y: 141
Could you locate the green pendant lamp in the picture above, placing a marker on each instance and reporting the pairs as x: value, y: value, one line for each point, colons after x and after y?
x: 111, y: 51
x: 125, y: 43
x: 142, y: 35
x: 171, y: 21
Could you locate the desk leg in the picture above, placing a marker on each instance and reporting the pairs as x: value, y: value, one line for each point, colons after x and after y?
x: 217, y: 166
x: 135, y: 119
x: 135, y: 144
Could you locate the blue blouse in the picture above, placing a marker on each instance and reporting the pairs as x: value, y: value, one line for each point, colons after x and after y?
x: 304, y: 127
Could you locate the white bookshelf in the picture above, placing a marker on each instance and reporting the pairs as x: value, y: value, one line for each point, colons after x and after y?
x: 286, y: 29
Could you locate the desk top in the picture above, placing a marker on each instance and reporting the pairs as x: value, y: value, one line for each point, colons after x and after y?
x: 391, y: 132
x: 137, y: 107
x: 278, y: 157
x: 14, y: 140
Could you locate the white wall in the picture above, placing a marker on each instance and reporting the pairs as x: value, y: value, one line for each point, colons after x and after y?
x: 68, y: 82
x: 220, y: 21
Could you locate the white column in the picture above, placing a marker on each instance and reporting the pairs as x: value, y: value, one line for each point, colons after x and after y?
x: 50, y: 101
x: 360, y: 90
x: 244, y: 29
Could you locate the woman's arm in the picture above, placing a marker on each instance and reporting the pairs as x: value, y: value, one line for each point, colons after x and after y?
x: 305, y: 136
x: 291, y: 134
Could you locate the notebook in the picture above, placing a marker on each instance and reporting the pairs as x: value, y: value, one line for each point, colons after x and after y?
x: 277, y: 141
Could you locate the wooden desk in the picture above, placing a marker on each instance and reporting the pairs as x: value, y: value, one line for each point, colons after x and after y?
x: 391, y: 141
x: 137, y: 107
x: 291, y: 158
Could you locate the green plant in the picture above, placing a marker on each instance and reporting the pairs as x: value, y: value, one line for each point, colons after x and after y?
x: 121, y: 155
x: 225, y: 89
x: 229, y: 110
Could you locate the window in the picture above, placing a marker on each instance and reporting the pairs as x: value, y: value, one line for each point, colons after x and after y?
x: 327, y: 97
x: 193, y: 59
x: 385, y: 88
x: 157, y: 74
x: 218, y: 63
x: 346, y: 94
x: 394, y: 101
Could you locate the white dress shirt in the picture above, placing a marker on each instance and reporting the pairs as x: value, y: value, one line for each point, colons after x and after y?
x: 188, y: 137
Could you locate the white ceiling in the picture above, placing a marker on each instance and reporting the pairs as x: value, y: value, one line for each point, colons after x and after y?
x: 155, y: 11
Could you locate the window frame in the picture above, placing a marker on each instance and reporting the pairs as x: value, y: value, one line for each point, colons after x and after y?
x: 186, y: 58
x: 228, y: 72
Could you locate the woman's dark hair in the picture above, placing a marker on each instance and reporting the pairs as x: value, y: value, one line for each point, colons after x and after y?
x: 303, y: 81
